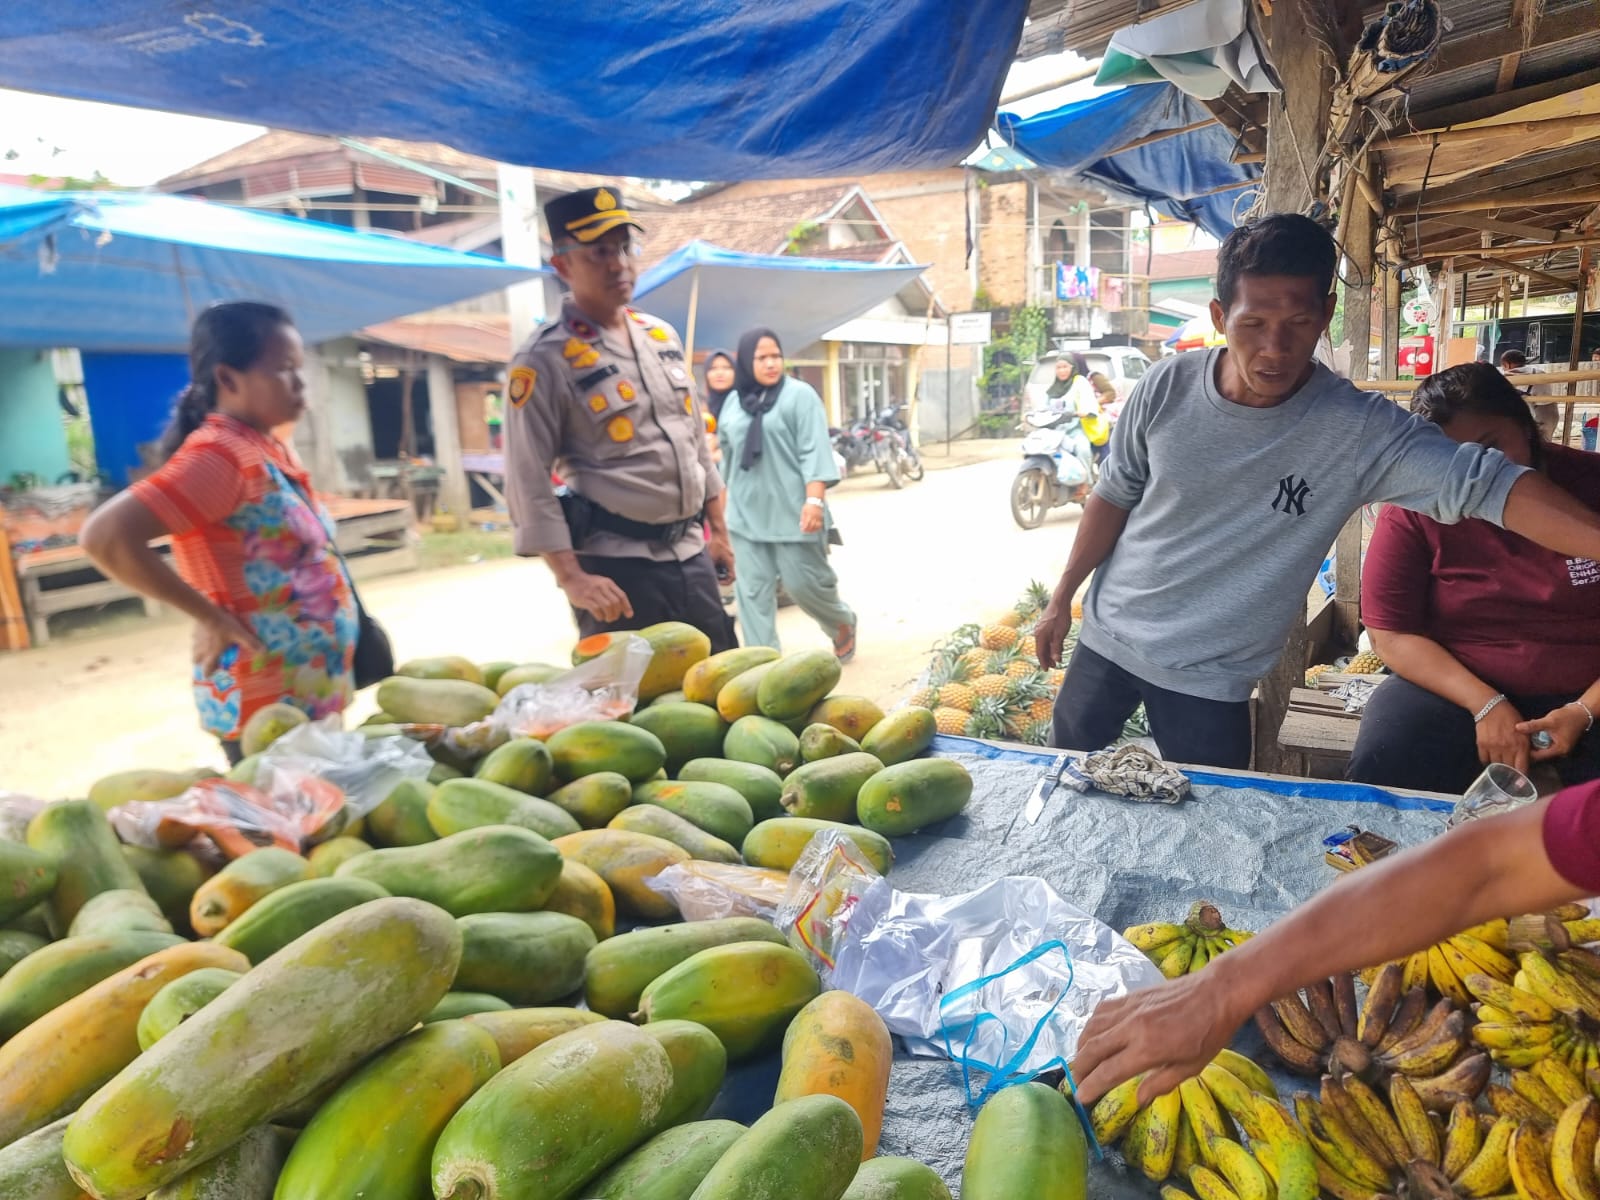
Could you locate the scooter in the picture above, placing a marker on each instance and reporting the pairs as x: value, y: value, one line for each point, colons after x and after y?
x: 855, y: 447
x: 1058, y: 466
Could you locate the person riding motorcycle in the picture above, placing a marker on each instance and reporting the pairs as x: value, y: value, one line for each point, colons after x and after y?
x: 1084, y: 392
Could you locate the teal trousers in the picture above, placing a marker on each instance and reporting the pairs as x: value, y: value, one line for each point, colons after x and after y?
x: 806, y: 574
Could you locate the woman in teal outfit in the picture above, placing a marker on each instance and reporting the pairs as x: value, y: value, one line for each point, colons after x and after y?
x: 778, y: 464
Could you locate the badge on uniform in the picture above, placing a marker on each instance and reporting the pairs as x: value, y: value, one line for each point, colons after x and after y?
x: 679, y: 375
x: 582, y: 328
x: 659, y: 334
x: 520, y: 385
x: 688, y: 404
x: 625, y: 392
x: 580, y: 354
x: 597, y: 403
x: 620, y: 429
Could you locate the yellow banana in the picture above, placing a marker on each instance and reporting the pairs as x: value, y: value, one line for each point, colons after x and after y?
x: 1133, y: 1142
x: 1155, y: 935
x: 1208, y: 1185
x: 1511, y: 1104
x: 1489, y: 1171
x: 1161, y: 1137
x: 1463, y: 1081
x: 1521, y: 1056
x: 1575, y: 911
x: 1292, y: 1155
x: 1204, y: 1117
x: 1228, y: 1090
x: 1462, y: 1140
x: 1115, y: 1111
x: 1445, y: 981
x: 1379, y: 1119
x: 1536, y: 1092
x: 1413, y: 1120
x: 1187, y: 1157
x: 1340, y: 1188
x: 1572, y: 1148
x: 1558, y: 1077
x: 1524, y: 1006
x: 1553, y: 987
x: 1337, y: 1102
x: 1243, y: 1173
x: 1168, y: 1192
x: 1382, y: 996
x: 1461, y: 965
x: 1248, y: 1071
x: 1433, y: 1055
x: 1338, y: 1147
x: 1174, y: 961
x: 1484, y: 957
x: 1416, y: 971
x: 1297, y: 1019
x: 1530, y: 1169
x: 1514, y: 1036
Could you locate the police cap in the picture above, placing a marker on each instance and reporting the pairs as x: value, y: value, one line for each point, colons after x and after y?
x: 587, y: 214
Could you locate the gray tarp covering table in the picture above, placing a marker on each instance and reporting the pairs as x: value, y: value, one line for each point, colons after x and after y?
x: 1251, y: 844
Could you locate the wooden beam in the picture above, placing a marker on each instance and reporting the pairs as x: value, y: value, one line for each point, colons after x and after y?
x: 1360, y: 247
x: 1516, y: 229
x: 1564, y: 241
x: 1512, y: 268
x: 1161, y: 135
x: 1543, y: 377
x: 1491, y: 43
x: 1454, y: 135
x: 1483, y: 107
x: 1548, y: 197
x: 1576, y: 167
x: 1519, y: 25
x: 1247, y: 156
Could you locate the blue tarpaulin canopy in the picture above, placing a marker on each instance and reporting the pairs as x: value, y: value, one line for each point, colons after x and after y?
x: 118, y: 271
x: 712, y: 295
x: 1190, y: 176
x: 670, y: 89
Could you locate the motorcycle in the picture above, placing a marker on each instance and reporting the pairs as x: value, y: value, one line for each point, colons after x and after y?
x: 854, y: 447
x: 897, y: 456
x: 1058, y: 466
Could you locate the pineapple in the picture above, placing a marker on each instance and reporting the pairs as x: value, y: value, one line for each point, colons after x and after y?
x: 1021, y: 669
x: 927, y: 697
x: 1042, y: 709
x: 986, y: 686
x: 1054, y: 678
x: 988, y: 718
x: 978, y: 661
x: 1030, y: 647
x: 950, y: 720
x: 1315, y: 673
x: 1365, y: 663
x: 997, y: 637
x: 1034, y: 600
x: 1035, y: 733
x: 1013, y: 619
x: 957, y: 695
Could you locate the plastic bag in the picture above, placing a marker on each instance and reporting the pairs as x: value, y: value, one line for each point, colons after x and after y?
x: 1001, y: 980
x: 364, y: 769
x: 705, y: 891
x: 236, y: 816
x: 606, y: 688
x: 16, y: 810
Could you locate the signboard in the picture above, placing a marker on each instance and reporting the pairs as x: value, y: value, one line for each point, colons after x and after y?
x: 1416, y: 357
x: 969, y: 329
x: 1417, y: 311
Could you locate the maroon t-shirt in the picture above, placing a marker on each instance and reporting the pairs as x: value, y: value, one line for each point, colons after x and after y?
x: 1572, y: 835
x: 1524, y: 619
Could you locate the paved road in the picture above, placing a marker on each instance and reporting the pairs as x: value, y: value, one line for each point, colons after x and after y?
x: 916, y: 563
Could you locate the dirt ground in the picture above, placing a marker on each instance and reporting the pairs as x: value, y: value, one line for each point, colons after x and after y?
x: 109, y: 693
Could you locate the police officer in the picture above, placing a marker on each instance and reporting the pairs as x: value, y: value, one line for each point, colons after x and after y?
x: 604, y: 397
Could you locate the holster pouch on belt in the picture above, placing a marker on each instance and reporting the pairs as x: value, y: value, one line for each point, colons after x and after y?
x: 584, y: 517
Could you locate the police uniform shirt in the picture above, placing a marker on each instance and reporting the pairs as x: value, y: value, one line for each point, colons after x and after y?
x: 616, y: 416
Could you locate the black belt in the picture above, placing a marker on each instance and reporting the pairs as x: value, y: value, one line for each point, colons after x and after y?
x: 584, y: 517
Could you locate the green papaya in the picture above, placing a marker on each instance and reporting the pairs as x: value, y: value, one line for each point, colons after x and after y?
x: 446, y: 667
x: 687, y: 731
x: 826, y: 789
x: 440, y: 771
x: 462, y: 804
x: 31, y: 1168
x: 452, y: 702
x: 181, y: 999
x: 493, y: 672
x: 901, y: 736
x: 738, y: 696
x: 15, y: 945
x: 118, y: 911
x: 670, y: 1165
x: 808, y: 1148
x: 327, y: 857
x: 659, y: 822
x: 664, y: 698
x: 760, y: 786
x: 744, y: 992
x: 244, y: 771
x: 127, y: 786
x: 591, y: 746
x: 281, y: 916
x: 763, y: 741
x: 375, y: 1135
x: 27, y: 877
x: 904, y: 798
x: 496, y: 868
x: 171, y: 877
x: 705, y: 680
x: 594, y: 799
x: 528, y: 959
x: 896, y: 1179
x: 617, y: 971
x: 523, y: 763
x: 246, y: 1170
x: 527, y: 673
x: 402, y: 818
x: 456, y: 1005
x: 818, y: 742
x: 54, y: 974
x: 33, y: 921
x: 797, y: 684
x: 713, y: 807
x: 267, y: 724
x: 699, y: 1064
x: 1027, y: 1141
x: 76, y: 836
x: 777, y: 844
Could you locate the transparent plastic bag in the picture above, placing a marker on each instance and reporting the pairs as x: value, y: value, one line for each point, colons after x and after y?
x: 16, y: 810
x: 705, y: 891
x: 237, y: 817
x: 364, y: 769
x: 606, y: 688
x: 1001, y: 980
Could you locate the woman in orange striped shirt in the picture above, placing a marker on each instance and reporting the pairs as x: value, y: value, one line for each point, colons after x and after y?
x: 275, y: 615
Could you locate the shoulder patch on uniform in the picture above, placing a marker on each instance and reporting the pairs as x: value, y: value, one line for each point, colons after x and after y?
x: 620, y: 429
x: 520, y: 385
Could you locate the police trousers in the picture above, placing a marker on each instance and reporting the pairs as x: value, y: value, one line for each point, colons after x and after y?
x: 662, y: 591
x: 807, y: 577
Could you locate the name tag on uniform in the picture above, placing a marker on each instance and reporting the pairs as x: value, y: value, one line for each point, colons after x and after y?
x: 670, y: 353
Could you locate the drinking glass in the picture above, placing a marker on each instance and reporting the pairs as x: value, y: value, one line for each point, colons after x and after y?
x: 1498, y: 789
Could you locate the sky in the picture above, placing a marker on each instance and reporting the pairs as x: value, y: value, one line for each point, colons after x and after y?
x: 134, y: 147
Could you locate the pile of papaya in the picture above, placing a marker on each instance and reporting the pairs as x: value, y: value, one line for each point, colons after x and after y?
x: 471, y: 992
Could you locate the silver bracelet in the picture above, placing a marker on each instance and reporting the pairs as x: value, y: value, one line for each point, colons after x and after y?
x: 1587, y: 711
x: 1488, y: 708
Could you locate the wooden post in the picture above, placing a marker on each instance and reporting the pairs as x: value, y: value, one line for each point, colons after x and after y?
x: 1577, y: 343
x: 1360, y: 247
x: 1296, y: 131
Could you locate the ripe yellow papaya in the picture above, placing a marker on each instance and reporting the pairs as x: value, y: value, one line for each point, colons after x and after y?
x: 704, y: 681
x: 524, y: 1029
x: 581, y: 893
x: 225, y: 897
x: 853, y: 716
x: 678, y: 646
x: 625, y: 861
x: 838, y: 1046
x: 746, y: 993
x: 594, y: 799
x: 738, y: 696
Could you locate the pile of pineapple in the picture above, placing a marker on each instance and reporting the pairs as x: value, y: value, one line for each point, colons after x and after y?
x: 985, y: 681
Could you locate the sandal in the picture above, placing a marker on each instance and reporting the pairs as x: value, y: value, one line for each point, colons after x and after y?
x: 844, y: 643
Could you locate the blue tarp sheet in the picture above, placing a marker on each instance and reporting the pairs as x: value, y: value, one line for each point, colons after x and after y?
x: 1177, y: 176
x: 798, y: 298
x: 670, y: 89
x: 115, y: 271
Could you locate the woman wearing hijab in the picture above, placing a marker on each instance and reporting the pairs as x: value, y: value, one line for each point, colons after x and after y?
x: 778, y: 466
x: 719, y: 381
x: 1082, y: 391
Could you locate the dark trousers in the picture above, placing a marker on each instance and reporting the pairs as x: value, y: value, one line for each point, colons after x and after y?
x: 232, y: 751
x: 1097, y: 698
x: 663, y: 591
x: 1411, y: 738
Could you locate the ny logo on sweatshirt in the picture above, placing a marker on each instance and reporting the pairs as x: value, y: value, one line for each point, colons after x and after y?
x: 1291, y: 495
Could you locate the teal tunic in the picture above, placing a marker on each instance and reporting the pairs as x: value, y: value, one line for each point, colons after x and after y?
x: 764, y: 502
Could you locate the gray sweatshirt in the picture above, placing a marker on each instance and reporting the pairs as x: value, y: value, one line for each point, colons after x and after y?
x: 1232, y: 510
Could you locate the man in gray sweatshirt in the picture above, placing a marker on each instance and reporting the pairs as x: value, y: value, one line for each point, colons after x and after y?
x: 1231, y: 473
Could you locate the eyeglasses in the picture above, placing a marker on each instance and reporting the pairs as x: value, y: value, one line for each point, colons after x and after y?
x: 602, y: 254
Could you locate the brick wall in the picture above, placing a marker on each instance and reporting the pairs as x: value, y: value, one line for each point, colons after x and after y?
x: 1003, y: 242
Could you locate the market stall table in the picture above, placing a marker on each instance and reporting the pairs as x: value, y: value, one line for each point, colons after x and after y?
x: 374, y: 536
x: 1251, y: 843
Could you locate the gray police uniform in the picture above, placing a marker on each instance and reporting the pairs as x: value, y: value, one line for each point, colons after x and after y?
x: 615, y: 415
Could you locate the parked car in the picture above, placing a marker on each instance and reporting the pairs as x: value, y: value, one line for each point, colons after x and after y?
x: 1124, y: 366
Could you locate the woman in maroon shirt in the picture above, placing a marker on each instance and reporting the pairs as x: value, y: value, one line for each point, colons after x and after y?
x: 1491, y: 638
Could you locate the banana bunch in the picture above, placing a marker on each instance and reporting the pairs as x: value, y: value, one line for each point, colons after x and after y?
x: 1550, y: 1009
x: 1550, y: 1155
x: 1182, y: 949
x: 1539, y: 1094
x: 1392, y: 1032
x: 1193, y: 1133
x: 1491, y: 949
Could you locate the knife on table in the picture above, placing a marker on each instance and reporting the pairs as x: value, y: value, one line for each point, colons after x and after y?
x: 1034, y: 805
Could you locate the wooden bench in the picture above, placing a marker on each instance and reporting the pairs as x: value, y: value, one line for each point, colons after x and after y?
x: 1318, y: 727
x: 373, y: 535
